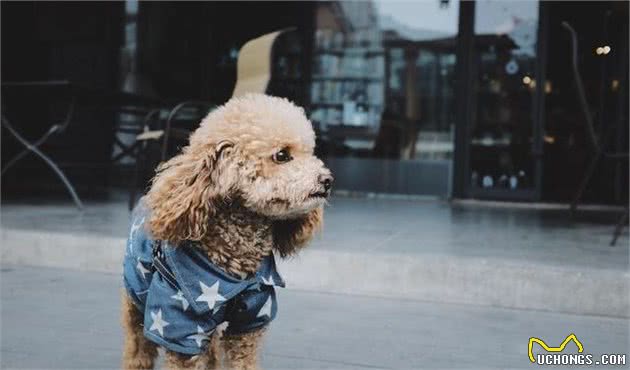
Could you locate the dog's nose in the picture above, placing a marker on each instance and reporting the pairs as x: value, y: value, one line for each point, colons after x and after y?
x: 326, y: 180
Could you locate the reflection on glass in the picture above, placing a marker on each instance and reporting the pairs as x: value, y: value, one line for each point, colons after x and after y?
x: 505, y: 52
x: 383, y: 77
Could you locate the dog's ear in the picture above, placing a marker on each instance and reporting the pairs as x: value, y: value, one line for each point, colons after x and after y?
x: 289, y: 236
x: 185, y: 192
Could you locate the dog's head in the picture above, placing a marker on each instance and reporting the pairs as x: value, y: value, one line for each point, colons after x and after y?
x: 257, y: 150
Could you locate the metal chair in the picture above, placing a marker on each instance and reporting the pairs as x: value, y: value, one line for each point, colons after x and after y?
x: 33, y: 147
x: 133, y: 124
x: 150, y: 134
x: 598, y: 144
x: 189, y: 113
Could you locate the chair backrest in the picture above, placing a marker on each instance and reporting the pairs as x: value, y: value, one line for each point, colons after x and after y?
x: 253, y: 68
x: 581, y: 94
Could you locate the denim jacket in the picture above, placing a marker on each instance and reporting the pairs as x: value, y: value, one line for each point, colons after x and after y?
x: 184, y: 296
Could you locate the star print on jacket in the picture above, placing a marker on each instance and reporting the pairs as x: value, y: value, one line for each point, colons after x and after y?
x: 132, y: 232
x: 180, y: 297
x: 188, y: 296
x: 268, y: 280
x: 158, y: 323
x: 200, y: 337
x: 266, y: 309
x: 210, y: 295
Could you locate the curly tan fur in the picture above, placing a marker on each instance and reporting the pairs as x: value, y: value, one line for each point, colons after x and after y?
x: 289, y: 236
x: 177, y: 361
x: 138, y: 352
x: 240, y: 239
x: 241, y: 350
x: 182, y: 193
x: 227, y: 192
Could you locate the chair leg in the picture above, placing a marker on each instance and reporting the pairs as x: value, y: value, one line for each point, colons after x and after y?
x: 133, y: 189
x: 47, y: 160
x: 622, y: 222
x: 124, y: 150
x: 584, y: 183
x: 27, y: 150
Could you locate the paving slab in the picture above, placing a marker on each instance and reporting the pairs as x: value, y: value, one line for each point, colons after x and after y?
x: 66, y: 319
x: 547, y: 237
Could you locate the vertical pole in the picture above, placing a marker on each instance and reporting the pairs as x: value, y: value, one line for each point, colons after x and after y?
x: 538, y: 129
x: 463, y: 99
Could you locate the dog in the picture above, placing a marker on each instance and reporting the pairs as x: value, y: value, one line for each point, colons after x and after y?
x: 202, y: 240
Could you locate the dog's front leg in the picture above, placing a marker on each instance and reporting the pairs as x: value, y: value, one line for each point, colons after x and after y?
x: 241, y: 351
x: 138, y: 352
x: 178, y: 361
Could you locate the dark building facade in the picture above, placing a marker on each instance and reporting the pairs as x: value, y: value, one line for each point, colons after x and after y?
x: 437, y: 98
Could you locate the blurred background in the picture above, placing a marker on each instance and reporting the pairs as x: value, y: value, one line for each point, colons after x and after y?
x: 479, y: 148
x: 379, y: 79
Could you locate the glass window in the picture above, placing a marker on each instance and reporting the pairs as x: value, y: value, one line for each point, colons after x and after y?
x: 505, y: 54
x: 382, y: 93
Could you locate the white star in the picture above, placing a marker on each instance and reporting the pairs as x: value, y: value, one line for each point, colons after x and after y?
x: 180, y: 297
x: 269, y: 280
x: 158, y: 322
x: 266, y: 309
x: 132, y: 232
x: 216, y: 309
x: 200, y: 336
x: 140, y: 267
x: 210, y: 295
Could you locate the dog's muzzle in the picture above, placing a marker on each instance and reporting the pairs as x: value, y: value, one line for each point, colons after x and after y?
x: 326, y: 183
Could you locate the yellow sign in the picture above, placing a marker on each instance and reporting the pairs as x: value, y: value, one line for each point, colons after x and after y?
x: 560, y: 348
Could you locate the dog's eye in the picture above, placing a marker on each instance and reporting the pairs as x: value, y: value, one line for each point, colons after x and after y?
x: 282, y: 156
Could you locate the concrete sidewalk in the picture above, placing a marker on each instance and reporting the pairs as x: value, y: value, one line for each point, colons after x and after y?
x: 428, y: 250
x: 64, y: 319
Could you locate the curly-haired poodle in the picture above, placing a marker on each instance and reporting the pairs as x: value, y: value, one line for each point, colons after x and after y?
x: 201, y: 243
